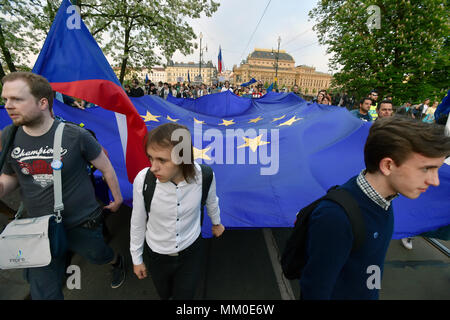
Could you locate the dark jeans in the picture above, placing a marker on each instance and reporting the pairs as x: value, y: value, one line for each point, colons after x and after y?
x: 46, y: 283
x: 177, y: 277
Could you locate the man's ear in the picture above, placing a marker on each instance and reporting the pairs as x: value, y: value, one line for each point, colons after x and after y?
x: 43, y: 103
x: 386, y: 166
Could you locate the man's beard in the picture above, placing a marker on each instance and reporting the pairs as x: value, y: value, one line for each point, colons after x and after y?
x: 28, y: 122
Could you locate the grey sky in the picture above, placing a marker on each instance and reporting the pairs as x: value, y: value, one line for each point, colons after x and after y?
x: 232, y: 25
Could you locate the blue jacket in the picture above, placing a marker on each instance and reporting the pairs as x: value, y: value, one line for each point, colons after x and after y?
x: 366, y: 117
x: 332, y: 271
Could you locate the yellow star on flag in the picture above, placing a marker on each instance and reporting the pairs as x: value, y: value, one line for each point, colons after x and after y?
x: 255, y: 120
x: 170, y: 119
x: 201, y: 153
x: 149, y: 117
x: 198, y: 121
x: 227, y: 123
x: 290, y: 121
x: 276, y: 119
x: 253, y: 143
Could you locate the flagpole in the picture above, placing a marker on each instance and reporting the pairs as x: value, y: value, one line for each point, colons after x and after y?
x: 447, y: 133
x: 447, y: 127
x: 276, y: 64
x: 200, y: 62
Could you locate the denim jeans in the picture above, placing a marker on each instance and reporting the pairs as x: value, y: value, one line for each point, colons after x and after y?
x: 46, y: 283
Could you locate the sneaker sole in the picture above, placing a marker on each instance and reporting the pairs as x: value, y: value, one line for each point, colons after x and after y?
x: 118, y: 285
x: 124, y: 276
x: 407, y: 246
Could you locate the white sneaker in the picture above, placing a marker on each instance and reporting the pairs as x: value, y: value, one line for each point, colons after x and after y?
x: 407, y: 243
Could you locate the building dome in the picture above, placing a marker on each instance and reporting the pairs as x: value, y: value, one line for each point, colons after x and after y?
x: 269, y: 54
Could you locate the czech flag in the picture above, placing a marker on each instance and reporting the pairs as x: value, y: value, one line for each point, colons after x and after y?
x: 74, y: 64
x: 220, y: 62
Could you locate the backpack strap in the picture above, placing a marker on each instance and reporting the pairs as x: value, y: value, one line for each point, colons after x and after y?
x: 148, y: 189
x: 351, y: 208
x: 207, y: 177
x: 10, y: 134
x: 149, y: 186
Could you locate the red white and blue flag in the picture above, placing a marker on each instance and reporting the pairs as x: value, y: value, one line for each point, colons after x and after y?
x: 74, y: 64
x: 220, y: 61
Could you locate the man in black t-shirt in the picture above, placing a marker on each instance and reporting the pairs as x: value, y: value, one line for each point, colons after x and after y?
x: 28, y: 100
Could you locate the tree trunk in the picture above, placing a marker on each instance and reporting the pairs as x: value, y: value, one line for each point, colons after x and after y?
x: 2, y: 72
x: 6, y: 53
x: 122, y: 69
x: 126, y: 51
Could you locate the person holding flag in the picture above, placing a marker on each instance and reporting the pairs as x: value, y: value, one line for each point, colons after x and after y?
x: 170, y: 220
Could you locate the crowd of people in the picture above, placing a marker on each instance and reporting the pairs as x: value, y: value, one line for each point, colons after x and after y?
x: 183, y: 90
x: 367, y: 109
x: 168, y: 197
x: 371, y: 109
x: 257, y: 90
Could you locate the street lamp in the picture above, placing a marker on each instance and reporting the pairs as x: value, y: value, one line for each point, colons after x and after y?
x: 276, y: 64
x: 200, y: 62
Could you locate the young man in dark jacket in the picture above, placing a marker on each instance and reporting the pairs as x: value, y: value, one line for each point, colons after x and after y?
x: 402, y: 156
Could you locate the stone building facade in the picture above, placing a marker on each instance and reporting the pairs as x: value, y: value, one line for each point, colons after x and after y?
x: 260, y: 64
x: 158, y: 74
x: 178, y: 72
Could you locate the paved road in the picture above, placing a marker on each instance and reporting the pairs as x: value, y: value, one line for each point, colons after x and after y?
x: 242, y: 266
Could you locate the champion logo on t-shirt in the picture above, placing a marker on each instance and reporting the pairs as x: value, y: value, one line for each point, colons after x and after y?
x: 36, y: 163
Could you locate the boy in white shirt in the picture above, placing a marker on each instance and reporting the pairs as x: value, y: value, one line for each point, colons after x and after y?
x: 172, y: 227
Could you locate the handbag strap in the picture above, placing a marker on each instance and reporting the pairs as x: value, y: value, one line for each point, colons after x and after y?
x: 57, y: 166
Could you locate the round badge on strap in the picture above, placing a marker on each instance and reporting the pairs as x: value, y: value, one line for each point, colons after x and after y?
x: 56, y: 164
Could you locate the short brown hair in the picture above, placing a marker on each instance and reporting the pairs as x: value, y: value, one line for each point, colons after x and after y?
x: 384, y: 102
x: 39, y: 86
x: 397, y: 137
x: 161, y: 136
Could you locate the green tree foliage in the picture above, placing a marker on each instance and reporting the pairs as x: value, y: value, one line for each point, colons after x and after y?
x: 141, y: 28
x: 24, y: 24
x: 21, y: 30
x: 135, y: 33
x: 407, y: 55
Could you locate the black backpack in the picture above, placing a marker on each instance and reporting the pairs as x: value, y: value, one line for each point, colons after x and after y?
x: 150, y: 183
x: 294, y: 255
x: 9, y: 132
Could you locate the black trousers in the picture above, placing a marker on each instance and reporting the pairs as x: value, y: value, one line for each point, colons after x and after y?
x: 178, y: 277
